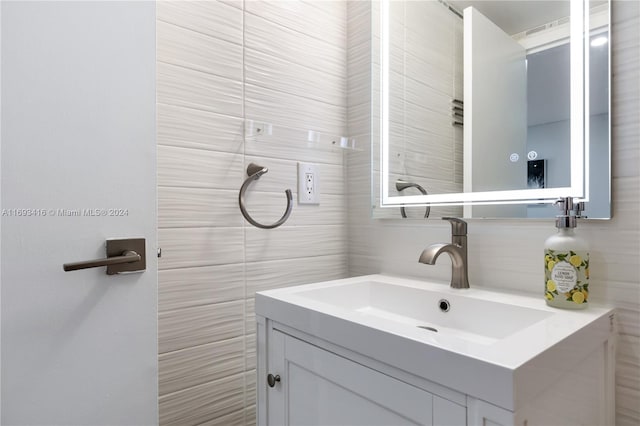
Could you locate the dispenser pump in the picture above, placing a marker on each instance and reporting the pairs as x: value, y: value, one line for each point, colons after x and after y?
x: 565, y: 219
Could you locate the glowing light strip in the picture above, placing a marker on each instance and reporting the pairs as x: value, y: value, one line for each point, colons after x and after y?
x: 384, y: 100
x: 577, y: 91
x: 586, y: 113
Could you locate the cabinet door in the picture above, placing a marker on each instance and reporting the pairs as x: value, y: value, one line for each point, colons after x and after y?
x: 320, y: 388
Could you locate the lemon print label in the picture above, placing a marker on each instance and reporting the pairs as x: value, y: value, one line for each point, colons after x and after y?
x: 565, y: 276
x: 566, y: 281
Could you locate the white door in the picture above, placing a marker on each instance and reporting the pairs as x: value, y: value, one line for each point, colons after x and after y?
x: 495, y: 104
x: 78, y: 167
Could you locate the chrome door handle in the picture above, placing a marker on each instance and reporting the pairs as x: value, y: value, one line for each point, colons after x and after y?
x: 123, y: 255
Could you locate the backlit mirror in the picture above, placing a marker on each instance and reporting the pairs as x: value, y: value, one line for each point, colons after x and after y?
x: 490, y: 108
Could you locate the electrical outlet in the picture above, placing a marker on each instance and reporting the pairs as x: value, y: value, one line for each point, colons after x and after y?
x: 308, y: 184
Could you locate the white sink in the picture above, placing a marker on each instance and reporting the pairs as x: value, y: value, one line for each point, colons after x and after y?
x: 484, y: 337
x: 452, y: 313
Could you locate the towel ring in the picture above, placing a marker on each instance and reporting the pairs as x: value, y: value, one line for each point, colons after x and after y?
x: 254, y: 171
x: 401, y: 185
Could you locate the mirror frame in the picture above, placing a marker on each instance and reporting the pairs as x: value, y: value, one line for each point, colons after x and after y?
x: 579, y: 143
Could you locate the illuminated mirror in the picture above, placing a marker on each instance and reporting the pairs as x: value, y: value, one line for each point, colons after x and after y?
x: 487, y: 110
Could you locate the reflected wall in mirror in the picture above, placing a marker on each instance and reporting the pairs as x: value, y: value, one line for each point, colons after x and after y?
x: 479, y: 99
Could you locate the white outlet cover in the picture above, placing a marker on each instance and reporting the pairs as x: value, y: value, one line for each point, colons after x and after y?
x: 308, y: 183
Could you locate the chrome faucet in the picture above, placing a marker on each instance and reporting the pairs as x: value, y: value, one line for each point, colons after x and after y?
x: 457, y: 250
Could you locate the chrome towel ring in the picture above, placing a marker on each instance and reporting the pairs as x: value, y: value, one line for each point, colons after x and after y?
x: 401, y: 185
x: 254, y: 171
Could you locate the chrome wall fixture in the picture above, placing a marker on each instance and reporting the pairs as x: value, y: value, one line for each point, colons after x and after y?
x: 254, y: 172
x: 401, y: 185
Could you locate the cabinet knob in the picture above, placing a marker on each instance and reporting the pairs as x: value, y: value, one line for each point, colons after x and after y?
x: 272, y: 380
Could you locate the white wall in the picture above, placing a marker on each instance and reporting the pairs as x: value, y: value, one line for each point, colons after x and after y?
x: 506, y: 253
x: 220, y: 63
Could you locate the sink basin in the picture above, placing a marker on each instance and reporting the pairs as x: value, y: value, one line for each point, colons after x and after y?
x: 448, y: 313
x: 463, y: 337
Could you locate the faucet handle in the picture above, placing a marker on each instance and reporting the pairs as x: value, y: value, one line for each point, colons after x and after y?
x: 458, y: 226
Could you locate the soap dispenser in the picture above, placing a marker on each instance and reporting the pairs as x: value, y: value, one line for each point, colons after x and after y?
x: 566, y: 262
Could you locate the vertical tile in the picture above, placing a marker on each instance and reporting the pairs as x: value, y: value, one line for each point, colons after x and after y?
x: 197, y: 207
x: 184, y: 328
x: 188, y: 287
x: 190, y: 247
x: 193, y: 128
x: 214, y: 402
x: 294, y: 242
x: 186, y: 48
x: 200, y: 364
x: 213, y: 18
x: 186, y: 87
x: 197, y: 168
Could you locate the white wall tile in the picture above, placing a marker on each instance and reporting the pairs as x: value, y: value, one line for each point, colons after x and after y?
x: 195, y: 168
x: 250, y: 317
x: 207, y: 402
x: 275, y: 40
x: 236, y: 418
x: 192, y: 128
x: 250, y: 357
x: 251, y: 415
x: 187, y: 287
x: 195, y: 89
x: 213, y: 18
x: 266, y: 275
x: 250, y: 380
x: 199, y: 325
x: 325, y: 22
x: 238, y: 4
x: 285, y: 75
x: 189, y: 247
x: 293, y: 111
x: 627, y: 412
x: 191, y: 49
x: 197, y: 207
x: 628, y: 315
x: 200, y: 364
x: 294, y: 242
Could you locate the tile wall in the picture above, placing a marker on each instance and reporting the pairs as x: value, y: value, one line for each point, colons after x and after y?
x: 506, y: 253
x: 220, y: 64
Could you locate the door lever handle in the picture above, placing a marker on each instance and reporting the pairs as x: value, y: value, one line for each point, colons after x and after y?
x: 126, y: 257
x: 123, y: 255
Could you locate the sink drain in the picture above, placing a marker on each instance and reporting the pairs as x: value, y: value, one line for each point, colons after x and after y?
x: 425, y: 327
x: 444, y: 305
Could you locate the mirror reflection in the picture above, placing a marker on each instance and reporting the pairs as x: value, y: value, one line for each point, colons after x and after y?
x: 479, y: 100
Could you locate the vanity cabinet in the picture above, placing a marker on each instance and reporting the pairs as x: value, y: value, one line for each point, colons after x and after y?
x: 319, y: 387
x: 327, y: 357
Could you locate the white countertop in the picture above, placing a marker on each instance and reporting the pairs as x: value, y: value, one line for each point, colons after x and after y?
x: 500, y: 348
